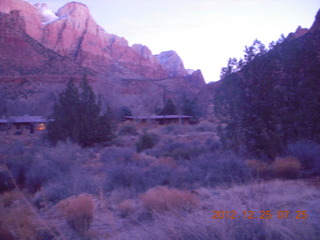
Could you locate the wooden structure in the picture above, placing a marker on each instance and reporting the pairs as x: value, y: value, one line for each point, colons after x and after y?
x: 17, y: 124
x: 160, y: 119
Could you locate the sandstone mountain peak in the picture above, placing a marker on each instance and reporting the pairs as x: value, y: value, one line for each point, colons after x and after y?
x: 45, y: 13
x: 74, y: 10
x: 172, y: 63
x: 72, y: 32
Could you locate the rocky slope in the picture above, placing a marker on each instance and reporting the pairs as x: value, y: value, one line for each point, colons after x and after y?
x: 59, y: 46
x: 24, y: 57
x: 29, y: 71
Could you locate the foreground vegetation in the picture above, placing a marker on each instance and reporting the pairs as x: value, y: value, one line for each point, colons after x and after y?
x: 157, y: 183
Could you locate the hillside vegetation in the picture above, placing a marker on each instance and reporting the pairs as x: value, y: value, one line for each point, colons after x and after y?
x: 167, y: 191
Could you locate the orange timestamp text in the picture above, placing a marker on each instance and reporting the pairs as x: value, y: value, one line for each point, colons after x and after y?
x: 259, y: 215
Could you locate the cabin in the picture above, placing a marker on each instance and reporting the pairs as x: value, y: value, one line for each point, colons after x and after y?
x: 23, y: 124
x: 160, y: 119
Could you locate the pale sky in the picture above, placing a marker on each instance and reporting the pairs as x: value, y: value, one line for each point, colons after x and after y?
x: 204, y: 33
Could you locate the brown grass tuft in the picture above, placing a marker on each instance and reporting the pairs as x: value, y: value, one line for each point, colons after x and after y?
x: 126, y: 207
x: 21, y: 222
x: 262, y: 169
x: 8, y: 198
x: 165, y: 161
x: 287, y: 167
x: 78, y: 211
x: 161, y: 198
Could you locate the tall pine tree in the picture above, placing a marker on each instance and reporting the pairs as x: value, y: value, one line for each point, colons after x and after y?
x: 77, y: 117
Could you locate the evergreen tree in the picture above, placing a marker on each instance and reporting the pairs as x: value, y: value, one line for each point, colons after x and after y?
x: 76, y: 116
x: 231, y: 68
x: 169, y: 108
x: 188, y: 107
x: 272, y: 101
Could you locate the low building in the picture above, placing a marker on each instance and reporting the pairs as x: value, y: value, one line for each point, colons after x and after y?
x: 18, y: 124
x: 160, y: 119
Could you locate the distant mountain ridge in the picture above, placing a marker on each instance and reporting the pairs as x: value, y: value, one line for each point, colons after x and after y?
x: 72, y: 32
x: 64, y: 45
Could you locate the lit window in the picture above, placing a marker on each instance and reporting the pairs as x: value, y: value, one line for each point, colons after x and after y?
x: 41, y: 127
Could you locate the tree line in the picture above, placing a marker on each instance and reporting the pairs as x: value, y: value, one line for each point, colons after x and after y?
x: 272, y: 98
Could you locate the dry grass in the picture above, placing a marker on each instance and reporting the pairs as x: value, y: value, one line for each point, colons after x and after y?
x: 126, y: 207
x: 8, y: 198
x: 21, y: 221
x: 78, y: 211
x: 270, y: 196
x: 287, y: 167
x: 161, y: 199
x: 261, y: 169
x: 167, y: 213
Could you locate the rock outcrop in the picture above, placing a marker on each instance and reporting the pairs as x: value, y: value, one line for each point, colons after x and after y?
x: 172, y: 64
x: 29, y: 13
x: 76, y: 35
x: 22, y: 56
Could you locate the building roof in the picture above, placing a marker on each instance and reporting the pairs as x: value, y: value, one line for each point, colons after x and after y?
x: 158, y: 117
x: 24, y: 119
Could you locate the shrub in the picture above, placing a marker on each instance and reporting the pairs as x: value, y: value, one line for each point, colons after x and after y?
x: 118, y: 176
x: 179, y: 149
x: 117, y: 154
x: 126, y: 207
x: 127, y: 129
x: 78, y: 181
x: 52, y: 163
x: 18, y: 160
x: 287, y: 167
x: 214, y: 169
x: 205, y: 126
x: 78, y: 211
x: 308, y: 153
x: 161, y: 199
x: 22, y: 222
x: 8, y: 198
x: 146, y: 141
x: 158, y: 175
x: 260, y: 168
